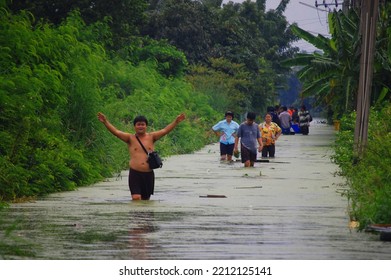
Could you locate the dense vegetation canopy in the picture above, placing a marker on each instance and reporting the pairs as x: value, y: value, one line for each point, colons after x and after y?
x: 63, y: 61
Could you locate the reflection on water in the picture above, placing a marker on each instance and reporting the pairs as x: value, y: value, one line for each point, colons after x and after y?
x: 154, y: 234
x: 140, y: 243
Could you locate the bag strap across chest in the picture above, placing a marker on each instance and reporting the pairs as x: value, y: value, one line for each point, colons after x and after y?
x: 145, y: 150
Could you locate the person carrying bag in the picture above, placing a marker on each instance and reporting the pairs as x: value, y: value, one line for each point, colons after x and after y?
x: 141, y: 177
x: 154, y: 159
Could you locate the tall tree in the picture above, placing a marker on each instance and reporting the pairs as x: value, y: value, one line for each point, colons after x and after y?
x: 188, y: 25
x: 126, y: 16
x: 332, y: 75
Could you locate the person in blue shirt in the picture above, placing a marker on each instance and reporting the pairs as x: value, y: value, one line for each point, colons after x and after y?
x: 226, y: 130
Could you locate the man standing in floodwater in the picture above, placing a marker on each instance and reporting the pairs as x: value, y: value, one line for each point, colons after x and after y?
x: 141, y: 176
x: 304, y: 120
x: 226, y: 130
x: 249, y: 135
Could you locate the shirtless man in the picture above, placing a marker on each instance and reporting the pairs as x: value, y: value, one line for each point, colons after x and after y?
x: 141, y: 177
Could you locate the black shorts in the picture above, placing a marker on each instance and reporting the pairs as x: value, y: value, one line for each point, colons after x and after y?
x: 304, y: 129
x: 247, y: 154
x: 226, y: 149
x: 141, y: 183
x: 271, y: 150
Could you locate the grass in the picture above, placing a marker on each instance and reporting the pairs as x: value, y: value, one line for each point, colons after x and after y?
x: 367, y: 177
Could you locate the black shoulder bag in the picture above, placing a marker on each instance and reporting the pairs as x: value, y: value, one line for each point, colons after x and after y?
x: 154, y: 160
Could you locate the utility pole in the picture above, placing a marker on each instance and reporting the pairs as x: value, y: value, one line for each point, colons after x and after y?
x: 368, y: 19
x: 369, y: 10
x: 345, y: 6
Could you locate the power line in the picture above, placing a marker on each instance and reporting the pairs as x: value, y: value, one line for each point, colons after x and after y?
x: 326, y: 5
x: 313, y: 7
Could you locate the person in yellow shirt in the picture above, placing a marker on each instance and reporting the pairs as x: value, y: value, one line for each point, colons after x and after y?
x: 270, y: 131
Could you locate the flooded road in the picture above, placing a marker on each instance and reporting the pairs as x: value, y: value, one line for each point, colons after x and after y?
x: 289, y: 208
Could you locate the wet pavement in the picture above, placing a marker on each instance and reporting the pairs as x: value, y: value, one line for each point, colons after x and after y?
x: 289, y: 208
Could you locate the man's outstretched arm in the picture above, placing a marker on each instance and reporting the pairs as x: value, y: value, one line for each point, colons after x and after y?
x: 120, y: 134
x: 160, y: 133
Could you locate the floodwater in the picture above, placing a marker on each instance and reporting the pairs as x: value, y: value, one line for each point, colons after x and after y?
x: 289, y: 208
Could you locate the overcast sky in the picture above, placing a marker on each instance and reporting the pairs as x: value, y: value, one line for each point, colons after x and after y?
x: 304, y: 13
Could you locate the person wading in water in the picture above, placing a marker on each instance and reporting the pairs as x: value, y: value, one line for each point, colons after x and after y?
x: 141, y: 176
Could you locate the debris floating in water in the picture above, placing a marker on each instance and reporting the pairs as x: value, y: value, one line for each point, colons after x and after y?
x: 213, y: 196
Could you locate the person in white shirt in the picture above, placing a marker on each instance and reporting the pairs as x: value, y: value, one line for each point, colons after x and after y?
x: 226, y: 130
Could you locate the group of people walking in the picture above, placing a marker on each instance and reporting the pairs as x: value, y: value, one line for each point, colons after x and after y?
x: 255, y: 137
x: 291, y: 120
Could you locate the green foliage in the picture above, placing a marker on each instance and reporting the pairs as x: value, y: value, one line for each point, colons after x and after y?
x: 344, y: 144
x: 123, y: 17
x: 48, y: 99
x: 186, y: 30
x: 53, y: 82
x: 169, y: 61
x: 332, y: 76
x: 160, y: 100
x: 188, y: 25
x: 368, y: 178
x: 237, y: 34
x: 56, y: 76
x: 222, y: 82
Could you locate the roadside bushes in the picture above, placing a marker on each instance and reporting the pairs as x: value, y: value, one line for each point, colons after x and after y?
x: 369, y: 178
x: 54, y: 80
x: 149, y: 93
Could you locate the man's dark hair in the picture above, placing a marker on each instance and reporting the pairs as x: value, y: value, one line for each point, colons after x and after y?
x: 140, y: 119
x: 251, y: 116
x: 229, y: 113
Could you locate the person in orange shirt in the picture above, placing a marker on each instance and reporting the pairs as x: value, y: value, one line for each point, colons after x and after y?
x: 270, y: 132
x: 291, y: 110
